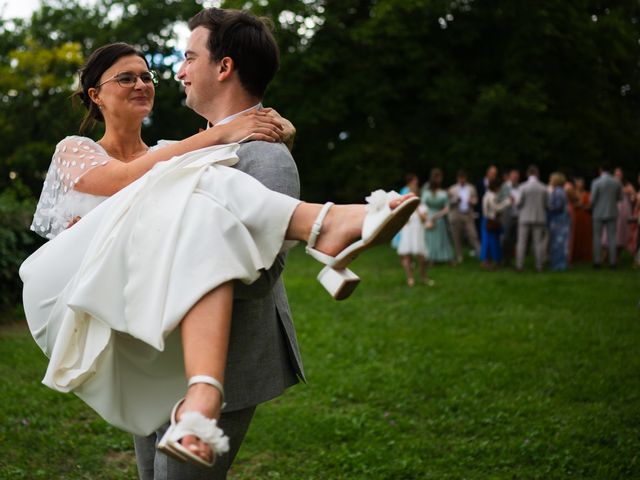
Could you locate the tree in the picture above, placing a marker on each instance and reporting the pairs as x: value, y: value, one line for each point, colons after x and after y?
x: 375, y: 87
x: 389, y: 86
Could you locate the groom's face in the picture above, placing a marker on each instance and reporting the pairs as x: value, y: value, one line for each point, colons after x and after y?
x: 198, y: 72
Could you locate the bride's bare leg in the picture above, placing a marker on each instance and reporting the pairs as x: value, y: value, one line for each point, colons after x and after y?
x: 342, y: 226
x: 205, y: 340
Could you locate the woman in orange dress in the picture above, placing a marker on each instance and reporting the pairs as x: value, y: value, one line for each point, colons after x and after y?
x: 572, y: 199
x: 629, y: 191
x: 581, y: 250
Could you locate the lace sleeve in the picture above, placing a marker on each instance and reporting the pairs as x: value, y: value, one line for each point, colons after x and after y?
x: 73, y: 157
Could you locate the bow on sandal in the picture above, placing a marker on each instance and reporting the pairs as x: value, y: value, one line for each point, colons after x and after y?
x: 381, y: 223
x: 194, y: 423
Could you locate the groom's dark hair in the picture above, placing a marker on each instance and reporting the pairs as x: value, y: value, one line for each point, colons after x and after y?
x: 247, y: 40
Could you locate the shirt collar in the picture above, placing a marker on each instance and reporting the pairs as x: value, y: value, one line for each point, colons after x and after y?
x: 257, y: 106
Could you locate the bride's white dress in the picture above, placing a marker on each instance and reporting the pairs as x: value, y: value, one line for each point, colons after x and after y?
x: 103, y: 298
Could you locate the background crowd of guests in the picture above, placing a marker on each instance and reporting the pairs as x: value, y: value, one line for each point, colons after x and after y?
x: 500, y: 217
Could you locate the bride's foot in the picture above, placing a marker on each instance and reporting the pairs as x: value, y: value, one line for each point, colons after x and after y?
x: 343, y: 225
x: 205, y: 399
x: 336, y: 234
x: 193, y: 434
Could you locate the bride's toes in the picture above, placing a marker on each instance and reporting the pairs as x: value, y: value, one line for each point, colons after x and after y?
x: 397, y: 201
x: 197, y: 447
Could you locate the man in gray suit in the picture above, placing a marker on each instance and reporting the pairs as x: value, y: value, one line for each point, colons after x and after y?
x: 230, y: 59
x: 509, y: 216
x: 532, y: 218
x: 606, y: 192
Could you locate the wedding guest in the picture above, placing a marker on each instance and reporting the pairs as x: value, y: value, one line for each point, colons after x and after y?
x: 412, y: 242
x: 532, y: 218
x: 509, y: 216
x: 570, y: 191
x: 559, y: 223
x: 581, y: 243
x: 624, y: 215
x: 636, y: 216
x: 409, y: 178
x: 481, y: 188
x: 606, y: 192
x: 629, y: 195
x: 437, y: 230
x: 462, y: 200
x: 492, y: 209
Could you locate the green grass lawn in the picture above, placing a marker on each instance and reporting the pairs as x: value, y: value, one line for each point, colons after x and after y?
x: 484, y: 375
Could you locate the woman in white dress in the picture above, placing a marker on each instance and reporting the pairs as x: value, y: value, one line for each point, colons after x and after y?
x: 412, y: 243
x: 104, y: 297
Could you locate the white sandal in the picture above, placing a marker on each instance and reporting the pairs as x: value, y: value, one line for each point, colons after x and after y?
x: 194, y: 423
x: 380, y: 225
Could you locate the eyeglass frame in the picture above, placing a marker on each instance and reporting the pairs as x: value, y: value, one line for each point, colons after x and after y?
x: 154, y: 79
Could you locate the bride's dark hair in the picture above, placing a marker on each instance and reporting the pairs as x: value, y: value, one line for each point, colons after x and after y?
x: 97, y: 63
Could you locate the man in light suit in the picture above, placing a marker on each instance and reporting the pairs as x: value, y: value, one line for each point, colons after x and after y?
x: 532, y: 218
x: 263, y: 357
x: 606, y: 192
x: 463, y: 198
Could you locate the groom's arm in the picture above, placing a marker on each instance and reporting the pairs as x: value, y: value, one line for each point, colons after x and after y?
x: 273, y: 166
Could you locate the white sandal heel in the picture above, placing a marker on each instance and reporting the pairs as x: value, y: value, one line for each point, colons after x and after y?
x: 379, y: 226
x: 194, y: 423
x: 339, y: 283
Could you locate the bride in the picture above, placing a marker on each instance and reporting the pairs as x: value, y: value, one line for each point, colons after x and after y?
x: 127, y: 299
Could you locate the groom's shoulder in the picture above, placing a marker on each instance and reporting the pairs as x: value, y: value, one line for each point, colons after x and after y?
x: 251, y: 151
x: 271, y: 164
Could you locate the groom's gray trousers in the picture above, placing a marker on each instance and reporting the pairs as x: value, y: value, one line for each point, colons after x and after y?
x: 263, y: 358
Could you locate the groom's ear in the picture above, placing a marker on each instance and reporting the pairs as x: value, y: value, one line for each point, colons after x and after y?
x: 226, y: 67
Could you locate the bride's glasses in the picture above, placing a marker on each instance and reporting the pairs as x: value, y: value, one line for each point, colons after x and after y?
x: 129, y: 79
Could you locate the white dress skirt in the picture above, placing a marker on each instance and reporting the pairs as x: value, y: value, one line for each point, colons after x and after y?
x: 104, y: 297
x: 412, y: 240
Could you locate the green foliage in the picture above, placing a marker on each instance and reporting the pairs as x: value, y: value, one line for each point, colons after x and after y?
x: 392, y: 86
x: 485, y: 375
x: 16, y: 241
x: 375, y: 88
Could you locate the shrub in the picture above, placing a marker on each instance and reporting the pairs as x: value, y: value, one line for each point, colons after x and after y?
x: 16, y: 240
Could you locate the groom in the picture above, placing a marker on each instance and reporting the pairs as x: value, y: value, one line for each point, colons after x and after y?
x: 231, y: 57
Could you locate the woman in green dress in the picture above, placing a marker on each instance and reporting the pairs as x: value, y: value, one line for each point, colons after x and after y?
x: 437, y: 228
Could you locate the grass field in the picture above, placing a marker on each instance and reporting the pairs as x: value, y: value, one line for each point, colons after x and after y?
x: 485, y: 375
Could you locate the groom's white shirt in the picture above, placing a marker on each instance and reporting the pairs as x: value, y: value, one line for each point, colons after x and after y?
x: 257, y: 106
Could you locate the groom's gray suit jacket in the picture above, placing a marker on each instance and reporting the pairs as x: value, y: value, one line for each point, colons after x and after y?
x: 263, y: 358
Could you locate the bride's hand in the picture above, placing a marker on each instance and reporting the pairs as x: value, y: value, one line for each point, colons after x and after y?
x: 253, y: 125
x: 288, y: 130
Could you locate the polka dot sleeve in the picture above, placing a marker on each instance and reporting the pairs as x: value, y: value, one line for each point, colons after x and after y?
x: 73, y: 157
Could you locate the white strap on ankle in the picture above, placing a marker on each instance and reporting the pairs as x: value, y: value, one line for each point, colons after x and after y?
x: 209, y: 381
x: 317, y: 225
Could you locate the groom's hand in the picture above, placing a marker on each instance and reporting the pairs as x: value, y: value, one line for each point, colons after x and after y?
x: 73, y: 221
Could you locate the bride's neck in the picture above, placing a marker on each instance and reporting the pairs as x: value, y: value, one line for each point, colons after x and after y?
x: 123, y: 142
